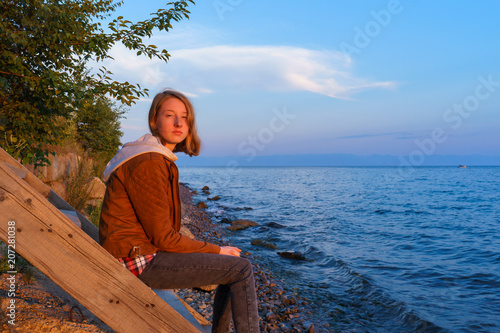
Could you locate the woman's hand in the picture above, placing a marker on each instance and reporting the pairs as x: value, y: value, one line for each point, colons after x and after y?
x: 230, y: 251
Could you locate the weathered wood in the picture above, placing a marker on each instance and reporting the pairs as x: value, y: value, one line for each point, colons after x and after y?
x: 72, y: 216
x: 43, y: 189
x: 20, y: 172
x: 86, y: 225
x: 30, y: 178
x: 73, y: 260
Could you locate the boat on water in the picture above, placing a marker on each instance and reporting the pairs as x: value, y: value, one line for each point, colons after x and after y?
x: 461, y: 166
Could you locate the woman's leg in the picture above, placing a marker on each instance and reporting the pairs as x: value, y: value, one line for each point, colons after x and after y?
x: 234, y: 275
x: 222, y: 309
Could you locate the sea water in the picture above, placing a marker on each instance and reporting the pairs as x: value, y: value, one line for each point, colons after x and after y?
x: 387, y: 249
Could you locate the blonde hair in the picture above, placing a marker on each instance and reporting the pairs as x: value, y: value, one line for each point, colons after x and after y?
x: 191, y: 144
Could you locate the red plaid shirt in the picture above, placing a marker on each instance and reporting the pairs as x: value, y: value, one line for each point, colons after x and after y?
x: 136, y: 265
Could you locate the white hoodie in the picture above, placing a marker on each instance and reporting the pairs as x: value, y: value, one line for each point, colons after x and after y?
x: 145, y: 144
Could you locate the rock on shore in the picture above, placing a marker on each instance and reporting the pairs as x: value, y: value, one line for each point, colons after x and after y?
x: 241, y: 225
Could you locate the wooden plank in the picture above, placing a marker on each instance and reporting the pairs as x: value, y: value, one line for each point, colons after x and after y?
x: 72, y: 216
x: 73, y: 260
x: 20, y: 172
x: 87, y: 226
x: 30, y: 178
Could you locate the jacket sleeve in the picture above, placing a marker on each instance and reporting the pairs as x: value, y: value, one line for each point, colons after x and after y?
x: 149, y: 191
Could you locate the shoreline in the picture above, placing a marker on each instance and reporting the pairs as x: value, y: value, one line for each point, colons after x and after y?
x: 42, y: 306
x: 281, y: 308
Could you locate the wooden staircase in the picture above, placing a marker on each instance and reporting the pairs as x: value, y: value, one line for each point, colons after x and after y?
x: 63, y: 245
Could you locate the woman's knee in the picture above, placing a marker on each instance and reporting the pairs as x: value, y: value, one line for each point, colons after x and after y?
x: 245, y: 267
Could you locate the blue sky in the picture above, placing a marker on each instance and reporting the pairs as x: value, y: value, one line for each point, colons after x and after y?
x: 356, y: 77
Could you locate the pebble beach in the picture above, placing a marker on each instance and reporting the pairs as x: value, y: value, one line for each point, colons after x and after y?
x: 281, y: 308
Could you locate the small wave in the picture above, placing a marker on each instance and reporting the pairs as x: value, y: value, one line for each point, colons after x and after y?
x: 382, y: 211
x: 416, y: 212
x: 364, y: 302
x: 217, y: 211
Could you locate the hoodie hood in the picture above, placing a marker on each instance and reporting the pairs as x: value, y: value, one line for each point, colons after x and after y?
x: 145, y: 144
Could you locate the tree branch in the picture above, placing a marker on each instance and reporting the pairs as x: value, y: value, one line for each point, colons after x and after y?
x: 27, y: 77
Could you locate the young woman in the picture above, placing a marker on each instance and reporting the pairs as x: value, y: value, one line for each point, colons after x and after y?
x: 141, y: 217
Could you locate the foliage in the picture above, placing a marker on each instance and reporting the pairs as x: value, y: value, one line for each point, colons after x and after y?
x: 97, y: 131
x: 45, y: 46
x: 79, y: 185
x: 94, y: 212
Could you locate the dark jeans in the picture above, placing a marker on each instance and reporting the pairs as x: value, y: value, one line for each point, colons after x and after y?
x: 234, y: 275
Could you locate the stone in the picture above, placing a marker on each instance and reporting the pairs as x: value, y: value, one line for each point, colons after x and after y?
x: 59, y: 188
x: 263, y: 243
x: 205, y: 188
x: 292, y: 255
x: 225, y: 220
x: 94, y: 202
x: 241, y: 224
x: 270, y: 316
x: 96, y: 188
x: 185, y: 231
x: 201, y: 204
x: 274, y: 225
x: 61, y: 167
x: 207, y: 288
x: 214, y: 198
x: 243, y: 208
x: 236, y: 227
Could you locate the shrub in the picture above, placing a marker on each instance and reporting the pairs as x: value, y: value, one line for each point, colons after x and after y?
x: 78, y: 185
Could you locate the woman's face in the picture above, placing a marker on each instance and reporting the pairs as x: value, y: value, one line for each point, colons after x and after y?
x: 171, y: 122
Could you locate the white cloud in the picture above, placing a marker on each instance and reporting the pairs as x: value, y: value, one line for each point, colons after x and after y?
x: 212, y: 69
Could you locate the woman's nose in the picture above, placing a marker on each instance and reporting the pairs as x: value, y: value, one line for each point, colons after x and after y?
x: 178, y: 121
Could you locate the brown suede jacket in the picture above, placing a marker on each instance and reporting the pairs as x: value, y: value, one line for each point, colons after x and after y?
x: 141, y: 212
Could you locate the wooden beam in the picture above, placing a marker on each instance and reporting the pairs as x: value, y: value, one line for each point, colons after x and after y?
x: 30, y: 178
x: 86, y: 225
x: 73, y: 260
